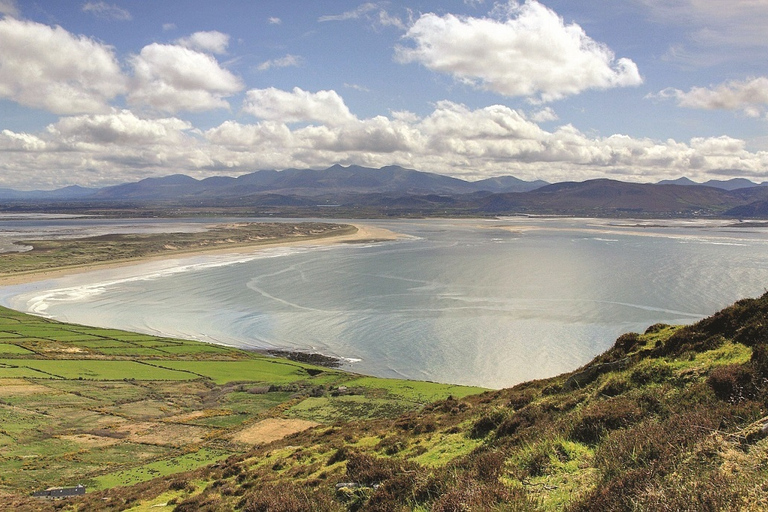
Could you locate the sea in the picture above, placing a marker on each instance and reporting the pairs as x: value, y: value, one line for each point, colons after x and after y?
x: 485, y: 302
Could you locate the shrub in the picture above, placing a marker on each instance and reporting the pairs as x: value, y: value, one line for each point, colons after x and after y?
x: 626, y: 342
x: 486, y: 423
x: 338, y: 456
x: 369, y: 470
x: 614, y: 385
x: 286, y: 497
x: 733, y: 382
x: 468, y: 495
x: 649, y: 371
x: 604, y: 415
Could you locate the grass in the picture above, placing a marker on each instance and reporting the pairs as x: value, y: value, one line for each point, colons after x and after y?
x: 416, y: 391
x: 346, y: 408
x: 159, y: 468
x: 83, y: 369
x: 80, y: 404
x: 7, y: 348
x: 263, y: 369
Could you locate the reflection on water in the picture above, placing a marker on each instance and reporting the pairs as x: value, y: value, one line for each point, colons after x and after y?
x: 487, y: 302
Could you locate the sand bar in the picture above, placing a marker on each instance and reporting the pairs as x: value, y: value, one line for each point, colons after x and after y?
x: 365, y: 233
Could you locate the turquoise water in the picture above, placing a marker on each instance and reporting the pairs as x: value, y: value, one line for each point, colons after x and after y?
x: 483, y: 302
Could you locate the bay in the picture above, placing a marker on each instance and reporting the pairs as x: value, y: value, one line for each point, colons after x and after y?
x: 482, y: 302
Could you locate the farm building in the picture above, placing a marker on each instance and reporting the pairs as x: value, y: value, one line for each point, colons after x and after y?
x: 60, y: 492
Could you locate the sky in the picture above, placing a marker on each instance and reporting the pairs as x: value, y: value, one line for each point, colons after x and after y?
x: 96, y: 93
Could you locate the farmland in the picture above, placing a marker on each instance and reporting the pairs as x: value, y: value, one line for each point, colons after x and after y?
x: 108, y: 408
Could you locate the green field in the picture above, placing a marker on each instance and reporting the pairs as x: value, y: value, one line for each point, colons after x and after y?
x: 109, y: 408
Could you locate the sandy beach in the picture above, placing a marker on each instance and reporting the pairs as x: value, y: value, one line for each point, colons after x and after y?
x: 365, y: 233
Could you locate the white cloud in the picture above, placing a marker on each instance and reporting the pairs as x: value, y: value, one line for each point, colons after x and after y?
x: 49, y: 68
x: 21, y: 142
x: 169, y: 26
x: 372, y: 12
x: 715, y: 23
x: 274, y: 21
x: 713, y: 31
x: 9, y: 8
x: 749, y: 96
x: 107, y: 11
x: 468, y: 143
x: 283, y: 62
x: 531, y: 53
x: 297, y: 106
x: 119, y: 146
x: 544, y: 115
x: 171, y: 78
x: 354, y: 14
x: 209, y: 42
x: 357, y: 87
x: 120, y: 128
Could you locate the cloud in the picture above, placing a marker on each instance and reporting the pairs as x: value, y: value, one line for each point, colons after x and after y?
x: 120, y: 128
x: 171, y: 78
x: 713, y: 23
x: 354, y: 14
x: 107, y: 11
x: 283, y: 62
x: 372, y: 12
x: 303, y: 129
x: 457, y: 140
x: 49, y: 68
x: 714, y: 31
x: 749, y: 96
x: 167, y: 27
x: 209, y: 42
x: 357, y: 87
x: 274, y: 21
x: 530, y: 53
x: 297, y: 106
x: 9, y: 8
x: 544, y: 115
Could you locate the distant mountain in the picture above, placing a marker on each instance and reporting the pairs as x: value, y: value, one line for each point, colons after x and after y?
x: 336, y: 180
x: 610, y: 197
x: 503, y: 184
x: 396, y: 191
x: 71, y: 192
x: 732, y: 184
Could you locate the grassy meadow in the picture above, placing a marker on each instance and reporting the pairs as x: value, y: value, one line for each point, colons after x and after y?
x: 109, y: 408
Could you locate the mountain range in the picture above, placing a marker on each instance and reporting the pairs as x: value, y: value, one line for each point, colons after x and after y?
x: 394, y: 190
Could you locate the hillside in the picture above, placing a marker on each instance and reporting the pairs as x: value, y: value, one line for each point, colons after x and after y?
x: 671, y: 419
x: 362, y: 192
x: 615, y: 198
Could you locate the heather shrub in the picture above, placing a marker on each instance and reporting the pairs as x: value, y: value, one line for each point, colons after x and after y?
x: 369, y: 470
x: 733, y: 382
x: 468, y: 496
x: 602, y: 416
x: 286, y: 497
x: 486, y: 423
x: 626, y: 342
x: 650, y: 371
x: 613, y: 385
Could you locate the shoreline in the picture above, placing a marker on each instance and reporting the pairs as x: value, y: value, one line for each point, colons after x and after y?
x: 365, y: 234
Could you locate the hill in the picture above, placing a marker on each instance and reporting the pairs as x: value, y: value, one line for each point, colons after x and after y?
x: 732, y: 184
x: 361, y: 192
x: 670, y: 419
x: 616, y: 198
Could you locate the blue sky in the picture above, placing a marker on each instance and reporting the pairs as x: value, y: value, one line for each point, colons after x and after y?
x: 96, y: 93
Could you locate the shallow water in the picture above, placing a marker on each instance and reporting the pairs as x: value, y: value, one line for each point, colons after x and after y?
x: 484, y: 302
